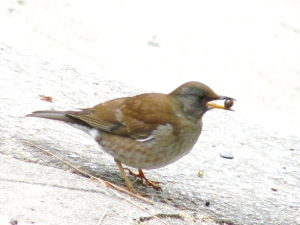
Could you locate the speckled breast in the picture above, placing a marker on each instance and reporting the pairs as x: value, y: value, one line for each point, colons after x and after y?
x: 168, y: 146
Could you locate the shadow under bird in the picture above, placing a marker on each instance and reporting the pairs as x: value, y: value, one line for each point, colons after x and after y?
x: 146, y: 131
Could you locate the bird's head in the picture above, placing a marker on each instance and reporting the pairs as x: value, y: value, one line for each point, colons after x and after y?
x: 196, y: 98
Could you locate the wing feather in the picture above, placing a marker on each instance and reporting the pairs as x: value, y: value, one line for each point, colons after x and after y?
x: 135, y: 117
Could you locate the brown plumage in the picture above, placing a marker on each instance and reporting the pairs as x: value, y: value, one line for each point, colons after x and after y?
x: 146, y: 131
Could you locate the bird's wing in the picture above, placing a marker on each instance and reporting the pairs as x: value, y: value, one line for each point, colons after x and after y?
x: 136, y: 117
x: 102, y: 116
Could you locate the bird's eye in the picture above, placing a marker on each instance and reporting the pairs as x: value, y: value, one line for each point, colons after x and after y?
x: 201, y: 98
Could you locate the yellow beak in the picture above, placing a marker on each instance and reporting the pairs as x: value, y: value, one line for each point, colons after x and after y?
x: 211, y: 105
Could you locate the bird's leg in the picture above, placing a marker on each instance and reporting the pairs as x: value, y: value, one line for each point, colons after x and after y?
x: 127, y: 182
x: 141, y: 175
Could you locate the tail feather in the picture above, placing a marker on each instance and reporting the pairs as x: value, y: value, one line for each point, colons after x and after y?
x: 57, y: 115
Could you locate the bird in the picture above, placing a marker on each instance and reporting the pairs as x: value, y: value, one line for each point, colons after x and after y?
x: 146, y: 131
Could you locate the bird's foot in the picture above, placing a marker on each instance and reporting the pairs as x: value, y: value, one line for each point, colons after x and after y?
x: 142, y: 176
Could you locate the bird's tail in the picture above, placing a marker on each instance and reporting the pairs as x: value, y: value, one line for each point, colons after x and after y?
x: 57, y: 115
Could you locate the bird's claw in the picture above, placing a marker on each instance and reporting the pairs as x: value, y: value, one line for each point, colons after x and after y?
x: 142, y: 176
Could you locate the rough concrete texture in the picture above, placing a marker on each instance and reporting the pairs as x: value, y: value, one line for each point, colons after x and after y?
x: 259, y: 186
x: 248, y: 49
x: 34, y: 194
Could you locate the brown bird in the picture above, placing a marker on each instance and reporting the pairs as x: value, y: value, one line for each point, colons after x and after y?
x: 146, y: 131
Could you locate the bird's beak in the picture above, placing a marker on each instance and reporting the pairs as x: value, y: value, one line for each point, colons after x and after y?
x: 211, y: 105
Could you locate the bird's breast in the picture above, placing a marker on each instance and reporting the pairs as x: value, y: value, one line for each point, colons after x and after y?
x: 170, y: 143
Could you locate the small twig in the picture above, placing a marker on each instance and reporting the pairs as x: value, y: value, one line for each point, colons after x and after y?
x: 136, y: 205
x: 60, y: 159
x: 100, y: 220
x: 105, y: 183
x: 108, y: 185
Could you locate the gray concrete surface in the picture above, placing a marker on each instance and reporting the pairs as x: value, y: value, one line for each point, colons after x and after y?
x: 248, y: 49
x: 35, y: 194
x: 259, y: 186
x: 32, y: 193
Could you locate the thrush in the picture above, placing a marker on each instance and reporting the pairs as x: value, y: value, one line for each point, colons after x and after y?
x: 146, y: 131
